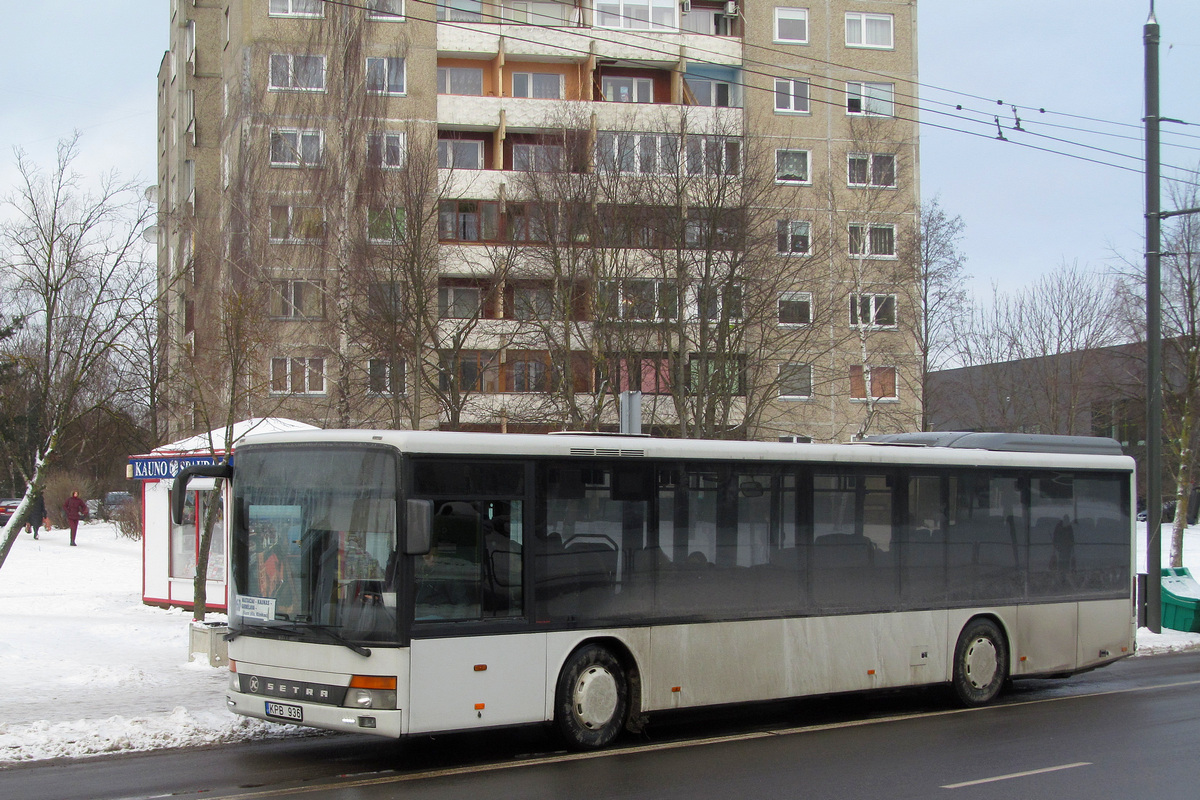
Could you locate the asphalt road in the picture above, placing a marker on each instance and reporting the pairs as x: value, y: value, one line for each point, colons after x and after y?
x: 1129, y: 730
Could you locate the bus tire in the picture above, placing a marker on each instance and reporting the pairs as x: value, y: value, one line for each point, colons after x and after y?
x: 591, y: 700
x: 980, y: 663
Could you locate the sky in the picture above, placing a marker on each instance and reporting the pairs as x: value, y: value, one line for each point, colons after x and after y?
x: 92, y: 67
x: 88, y: 670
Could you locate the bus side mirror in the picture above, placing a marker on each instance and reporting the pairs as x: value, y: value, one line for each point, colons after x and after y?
x: 179, y: 487
x: 418, y: 534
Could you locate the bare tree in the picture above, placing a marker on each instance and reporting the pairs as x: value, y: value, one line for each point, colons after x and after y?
x: 940, y: 290
x: 73, y: 261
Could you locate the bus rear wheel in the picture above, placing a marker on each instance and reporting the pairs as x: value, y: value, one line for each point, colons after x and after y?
x: 591, y: 700
x: 980, y: 663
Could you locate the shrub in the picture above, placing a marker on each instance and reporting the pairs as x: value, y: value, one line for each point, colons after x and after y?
x: 128, y: 518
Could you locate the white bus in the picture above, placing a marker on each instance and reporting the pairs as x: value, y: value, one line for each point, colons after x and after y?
x: 404, y: 583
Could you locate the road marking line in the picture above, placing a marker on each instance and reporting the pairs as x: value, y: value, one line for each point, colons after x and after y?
x: 1010, y: 776
x: 288, y: 791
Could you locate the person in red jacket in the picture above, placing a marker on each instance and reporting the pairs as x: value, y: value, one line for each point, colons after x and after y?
x: 76, y: 510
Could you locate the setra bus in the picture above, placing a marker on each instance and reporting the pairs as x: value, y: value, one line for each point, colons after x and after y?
x: 398, y: 582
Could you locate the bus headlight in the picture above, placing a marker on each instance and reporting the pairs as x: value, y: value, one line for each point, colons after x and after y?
x: 371, y: 691
x: 371, y: 698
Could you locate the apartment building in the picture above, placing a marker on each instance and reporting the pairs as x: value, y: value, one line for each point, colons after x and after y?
x: 466, y: 214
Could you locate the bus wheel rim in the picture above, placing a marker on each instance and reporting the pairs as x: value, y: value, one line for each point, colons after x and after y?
x: 595, y: 699
x: 981, y: 662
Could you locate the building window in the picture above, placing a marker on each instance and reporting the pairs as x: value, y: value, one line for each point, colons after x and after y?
x: 537, y: 157
x: 637, y: 153
x: 385, y: 377
x: 873, y: 310
x: 297, y: 375
x: 296, y: 73
x: 795, y: 308
x: 638, y: 299
x: 870, y: 99
x: 636, y: 14
x: 795, y: 381
x: 297, y: 224
x: 387, y: 10
x: 792, y: 237
x: 719, y: 374
x: 298, y: 299
x: 460, y: 302
x: 791, y: 166
x: 713, y: 92
x: 468, y: 221
x: 627, y: 90
x: 791, y: 25
x: 715, y: 303
x: 469, y: 371
x: 460, y: 154
x: 460, y: 10
x: 526, y: 372
x: 385, y: 75
x: 296, y: 148
x: 385, y: 224
x: 868, y: 30
x: 882, y: 380
x: 385, y: 301
x: 533, y: 12
x: 791, y: 96
x: 713, y: 155
x: 540, y: 85
x: 871, y: 169
x: 386, y: 150
x: 531, y: 300
x: 650, y: 373
x: 460, y: 80
x: 295, y: 8
x: 878, y: 241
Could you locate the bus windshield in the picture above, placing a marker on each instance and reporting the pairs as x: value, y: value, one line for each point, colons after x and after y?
x: 314, y: 547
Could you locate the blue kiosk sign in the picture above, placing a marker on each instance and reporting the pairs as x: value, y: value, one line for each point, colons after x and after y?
x: 165, y: 467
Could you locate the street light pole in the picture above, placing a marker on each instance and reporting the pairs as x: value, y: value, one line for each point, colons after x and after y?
x: 1150, y: 36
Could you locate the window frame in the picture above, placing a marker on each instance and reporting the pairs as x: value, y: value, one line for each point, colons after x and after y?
x: 452, y: 144
x: 284, y: 291
x: 876, y: 304
x: 292, y: 225
x: 394, y: 218
x: 306, y: 365
x: 792, y: 14
x: 867, y: 239
x: 804, y: 181
x: 861, y: 379
x: 790, y: 233
x: 390, y: 370
x: 793, y: 83
x: 862, y: 17
x: 865, y: 99
x: 376, y: 15
x: 784, y: 382
x: 291, y: 12
x: 637, y: 83
x: 292, y: 72
x: 529, y: 77
x: 387, y: 90
x: 445, y: 76
x: 301, y: 134
x: 795, y: 297
x: 380, y: 144
x: 624, y: 20
x: 870, y: 171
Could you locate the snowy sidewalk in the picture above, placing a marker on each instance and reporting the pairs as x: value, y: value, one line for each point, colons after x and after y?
x: 87, y: 669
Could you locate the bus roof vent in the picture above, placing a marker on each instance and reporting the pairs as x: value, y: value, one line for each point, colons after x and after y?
x: 1005, y: 442
x: 607, y: 452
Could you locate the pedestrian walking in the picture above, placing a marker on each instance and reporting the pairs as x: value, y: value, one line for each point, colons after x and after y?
x: 37, y: 517
x: 76, y: 510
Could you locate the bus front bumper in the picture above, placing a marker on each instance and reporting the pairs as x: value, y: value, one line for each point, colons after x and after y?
x: 377, y: 721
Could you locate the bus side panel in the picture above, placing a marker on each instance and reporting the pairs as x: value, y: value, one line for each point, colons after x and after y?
x: 724, y: 662
x: 910, y: 648
x: 1047, y: 639
x: 477, y: 682
x: 1106, y: 631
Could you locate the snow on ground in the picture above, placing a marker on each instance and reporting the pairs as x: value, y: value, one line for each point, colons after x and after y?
x: 87, y: 669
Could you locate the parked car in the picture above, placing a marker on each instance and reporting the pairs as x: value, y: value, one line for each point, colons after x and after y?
x: 8, y: 507
x: 113, y: 502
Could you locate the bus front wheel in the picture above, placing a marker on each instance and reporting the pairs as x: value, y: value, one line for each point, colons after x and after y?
x: 591, y: 699
x: 980, y: 663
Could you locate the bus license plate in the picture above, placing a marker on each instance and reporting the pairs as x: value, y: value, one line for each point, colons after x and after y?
x: 285, y: 711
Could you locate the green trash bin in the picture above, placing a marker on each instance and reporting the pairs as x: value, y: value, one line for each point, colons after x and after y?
x: 1180, y: 600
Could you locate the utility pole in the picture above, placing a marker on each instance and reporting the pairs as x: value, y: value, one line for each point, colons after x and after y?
x: 1153, y: 336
